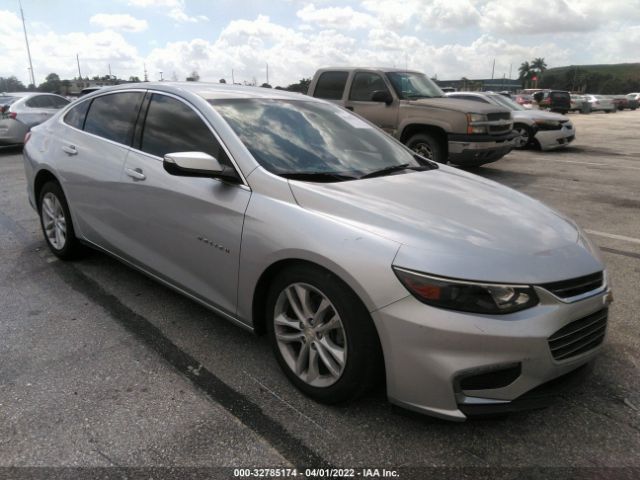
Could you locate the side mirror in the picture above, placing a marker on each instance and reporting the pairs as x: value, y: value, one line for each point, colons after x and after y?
x: 198, y: 164
x: 382, y: 96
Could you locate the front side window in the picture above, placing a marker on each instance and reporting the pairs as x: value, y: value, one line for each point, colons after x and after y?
x: 114, y: 116
x: 172, y: 126
x: 331, y: 85
x: 364, y: 84
x: 76, y: 115
x: 503, y: 101
x: 411, y: 85
x: 305, y: 137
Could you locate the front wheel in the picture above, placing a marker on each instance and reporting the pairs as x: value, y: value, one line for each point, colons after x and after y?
x: 322, y: 335
x: 428, y: 146
x: 525, y: 140
x: 56, y: 223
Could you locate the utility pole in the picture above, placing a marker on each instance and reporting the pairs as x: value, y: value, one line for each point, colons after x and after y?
x: 493, y: 69
x: 146, y: 77
x: 161, y: 76
x: 78, y: 61
x: 510, y: 67
x: 233, y: 79
x: 110, y: 71
x: 267, y: 74
x: 26, y: 40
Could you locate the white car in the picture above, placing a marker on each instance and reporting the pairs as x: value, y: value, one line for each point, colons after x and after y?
x: 547, y: 130
x: 600, y: 103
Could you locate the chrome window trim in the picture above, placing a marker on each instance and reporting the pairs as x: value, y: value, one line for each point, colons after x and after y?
x: 244, y: 184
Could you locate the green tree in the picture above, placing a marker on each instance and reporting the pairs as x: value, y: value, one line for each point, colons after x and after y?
x: 11, y: 84
x: 539, y: 66
x: 525, y: 73
x: 52, y: 84
x: 302, y: 86
x: 194, y: 77
x: 134, y: 79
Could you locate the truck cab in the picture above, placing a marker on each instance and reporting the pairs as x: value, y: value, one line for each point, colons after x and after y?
x: 412, y: 108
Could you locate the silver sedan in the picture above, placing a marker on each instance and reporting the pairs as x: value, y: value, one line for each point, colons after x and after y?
x: 22, y: 110
x: 359, y: 259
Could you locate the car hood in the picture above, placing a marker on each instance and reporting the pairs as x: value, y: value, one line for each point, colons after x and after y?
x: 456, y: 224
x: 539, y: 115
x: 458, y: 104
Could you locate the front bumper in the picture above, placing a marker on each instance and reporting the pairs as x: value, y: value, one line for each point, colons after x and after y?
x: 470, y: 150
x: 428, y: 350
x: 552, y: 139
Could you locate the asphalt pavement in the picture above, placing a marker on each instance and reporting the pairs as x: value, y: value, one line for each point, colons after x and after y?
x: 102, y: 367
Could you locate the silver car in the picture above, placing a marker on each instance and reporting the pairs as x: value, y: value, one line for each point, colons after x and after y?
x: 546, y: 130
x: 600, y: 103
x: 291, y: 216
x: 22, y: 110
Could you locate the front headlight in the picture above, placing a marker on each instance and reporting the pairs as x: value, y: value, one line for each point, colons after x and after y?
x: 548, y: 124
x: 473, y: 119
x: 476, y: 297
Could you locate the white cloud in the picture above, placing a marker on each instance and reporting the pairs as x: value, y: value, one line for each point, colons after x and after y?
x: 176, y: 9
x: 336, y: 17
x: 123, y: 22
x: 179, y: 15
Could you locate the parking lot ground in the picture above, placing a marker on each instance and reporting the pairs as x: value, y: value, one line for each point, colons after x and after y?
x: 100, y: 366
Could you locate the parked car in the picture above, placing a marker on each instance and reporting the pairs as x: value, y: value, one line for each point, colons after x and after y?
x: 412, y: 108
x: 19, y: 111
x: 577, y: 102
x: 289, y: 215
x: 546, y: 130
x: 600, y: 103
x: 554, y: 100
x: 633, y: 96
x: 622, y: 102
x: 88, y: 90
x: 525, y: 100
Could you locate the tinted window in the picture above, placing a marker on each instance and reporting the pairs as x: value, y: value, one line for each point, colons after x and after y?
x: 113, y: 116
x: 39, y: 101
x: 172, y: 126
x: 331, y: 85
x: 75, y: 116
x: 364, y: 84
x: 57, y: 102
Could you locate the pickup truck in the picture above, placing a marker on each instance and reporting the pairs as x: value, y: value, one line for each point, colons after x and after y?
x: 412, y: 108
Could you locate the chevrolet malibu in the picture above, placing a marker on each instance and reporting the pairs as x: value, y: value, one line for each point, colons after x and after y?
x: 359, y: 259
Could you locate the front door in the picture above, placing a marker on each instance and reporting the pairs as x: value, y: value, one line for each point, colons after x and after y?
x: 186, y: 230
x: 363, y: 85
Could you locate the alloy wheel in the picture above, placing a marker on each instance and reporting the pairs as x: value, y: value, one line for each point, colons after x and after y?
x: 423, y: 149
x: 54, y: 221
x: 310, y: 335
x: 523, y: 139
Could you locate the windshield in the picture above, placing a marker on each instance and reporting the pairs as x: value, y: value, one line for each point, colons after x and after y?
x: 409, y: 85
x: 506, y: 102
x: 298, y: 137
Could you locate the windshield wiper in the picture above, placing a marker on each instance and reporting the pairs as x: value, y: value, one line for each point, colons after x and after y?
x: 386, y: 170
x: 324, y: 177
x: 417, y: 95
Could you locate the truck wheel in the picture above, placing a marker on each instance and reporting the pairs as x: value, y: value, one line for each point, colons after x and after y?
x: 428, y: 146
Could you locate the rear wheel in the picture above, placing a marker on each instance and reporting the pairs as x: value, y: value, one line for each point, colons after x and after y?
x: 428, y: 146
x: 56, y: 223
x: 321, y: 335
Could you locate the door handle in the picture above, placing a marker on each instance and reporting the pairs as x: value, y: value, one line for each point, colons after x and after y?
x: 70, y: 149
x: 136, y: 173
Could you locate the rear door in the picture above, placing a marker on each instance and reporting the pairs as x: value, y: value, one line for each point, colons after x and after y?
x: 363, y: 85
x: 91, y: 154
x: 185, y: 230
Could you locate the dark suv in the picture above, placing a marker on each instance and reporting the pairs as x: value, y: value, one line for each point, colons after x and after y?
x: 554, y: 100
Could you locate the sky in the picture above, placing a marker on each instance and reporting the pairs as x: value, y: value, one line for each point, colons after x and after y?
x: 217, y: 38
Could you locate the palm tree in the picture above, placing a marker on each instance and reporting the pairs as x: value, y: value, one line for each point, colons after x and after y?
x: 525, y: 73
x: 539, y: 66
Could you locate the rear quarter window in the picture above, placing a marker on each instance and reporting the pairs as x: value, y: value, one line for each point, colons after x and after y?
x: 114, y: 116
x: 76, y: 115
x: 330, y: 85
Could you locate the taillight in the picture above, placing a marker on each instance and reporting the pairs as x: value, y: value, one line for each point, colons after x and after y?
x: 13, y: 115
x: 27, y: 137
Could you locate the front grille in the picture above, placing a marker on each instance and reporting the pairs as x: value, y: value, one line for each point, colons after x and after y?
x: 499, y: 129
x: 499, y: 116
x: 579, y: 336
x: 575, y: 286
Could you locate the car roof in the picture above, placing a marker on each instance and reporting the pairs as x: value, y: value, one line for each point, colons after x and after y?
x: 380, y: 69
x: 210, y: 91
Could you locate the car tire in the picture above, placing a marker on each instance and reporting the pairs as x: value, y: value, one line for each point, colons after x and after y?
x: 56, y: 223
x: 314, y: 320
x: 526, y: 134
x: 428, y: 146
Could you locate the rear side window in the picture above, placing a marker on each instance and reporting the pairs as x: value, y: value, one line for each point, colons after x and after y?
x: 172, y: 126
x: 39, y: 101
x: 57, y: 102
x: 364, y: 84
x: 114, y: 116
x: 75, y: 116
x: 331, y: 85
